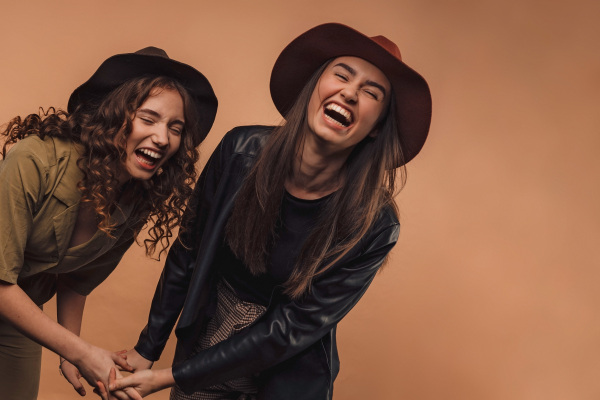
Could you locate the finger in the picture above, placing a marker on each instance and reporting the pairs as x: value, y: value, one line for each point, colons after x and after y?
x: 121, y: 395
x: 80, y: 389
x: 112, y: 376
x: 122, y: 353
x: 72, y: 376
x: 121, y: 383
x: 121, y: 362
x: 77, y: 385
x: 102, y: 390
x: 133, y: 394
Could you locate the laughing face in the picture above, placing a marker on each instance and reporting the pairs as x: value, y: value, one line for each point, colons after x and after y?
x: 346, y: 104
x: 155, y: 136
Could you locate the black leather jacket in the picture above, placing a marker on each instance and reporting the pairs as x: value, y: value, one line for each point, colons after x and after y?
x: 292, y: 345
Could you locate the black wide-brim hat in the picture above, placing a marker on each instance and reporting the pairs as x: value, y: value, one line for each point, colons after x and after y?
x: 305, y: 54
x: 150, y: 61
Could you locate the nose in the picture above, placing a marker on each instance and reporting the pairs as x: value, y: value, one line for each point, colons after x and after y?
x: 349, y: 93
x: 160, y: 136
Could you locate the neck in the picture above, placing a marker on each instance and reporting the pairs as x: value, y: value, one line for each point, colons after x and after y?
x: 123, y: 178
x: 316, y: 172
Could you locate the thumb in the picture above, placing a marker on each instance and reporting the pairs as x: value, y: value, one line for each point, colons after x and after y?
x: 114, y: 383
x: 79, y: 388
x: 73, y: 378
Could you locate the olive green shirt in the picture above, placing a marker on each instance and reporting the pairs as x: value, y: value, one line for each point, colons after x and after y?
x: 39, y: 202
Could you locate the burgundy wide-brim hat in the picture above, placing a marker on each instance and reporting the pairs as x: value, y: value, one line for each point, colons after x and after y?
x: 305, y: 54
x: 150, y: 61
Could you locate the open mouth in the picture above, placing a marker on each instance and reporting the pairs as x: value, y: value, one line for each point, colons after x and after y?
x: 338, y: 115
x: 148, y: 157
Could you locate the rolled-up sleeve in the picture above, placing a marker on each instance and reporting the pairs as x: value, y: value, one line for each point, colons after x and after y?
x: 23, y: 177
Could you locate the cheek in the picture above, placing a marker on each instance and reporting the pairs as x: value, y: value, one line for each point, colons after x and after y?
x: 323, y: 89
x: 129, y: 141
x: 126, y: 142
x: 175, y: 144
x: 327, y: 87
x: 375, y: 113
x: 313, y: 103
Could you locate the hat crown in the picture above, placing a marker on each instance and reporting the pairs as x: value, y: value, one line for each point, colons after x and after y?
x: 388, y: 45
x: 152, y: 51
x: 304, y: 55
x: 151, y: 62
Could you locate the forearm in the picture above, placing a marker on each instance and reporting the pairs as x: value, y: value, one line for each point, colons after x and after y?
x: 18, y: 309
x: 69, y: 308
x: 163, y: 378
x: 168, y: 300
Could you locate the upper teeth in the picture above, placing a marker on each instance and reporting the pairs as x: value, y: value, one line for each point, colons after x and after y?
x: 340, y: 110
x: 150, y: 153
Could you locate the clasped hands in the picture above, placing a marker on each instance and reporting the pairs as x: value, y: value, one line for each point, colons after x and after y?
x: 113, y: 385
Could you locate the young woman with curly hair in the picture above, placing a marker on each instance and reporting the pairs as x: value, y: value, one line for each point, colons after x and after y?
x: 292, y: 224
x: 76, y: 189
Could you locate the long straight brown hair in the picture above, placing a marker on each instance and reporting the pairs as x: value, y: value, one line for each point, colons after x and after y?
x: 368, y: 184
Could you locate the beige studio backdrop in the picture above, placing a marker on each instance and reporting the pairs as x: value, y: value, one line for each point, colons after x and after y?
x: 492, y: 292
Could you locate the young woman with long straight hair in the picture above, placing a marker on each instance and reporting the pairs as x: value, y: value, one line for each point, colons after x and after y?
x: 291, y: 225
x: 76, y: 189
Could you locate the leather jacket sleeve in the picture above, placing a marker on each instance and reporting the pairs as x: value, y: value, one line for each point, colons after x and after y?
x: 288, y: 327
x: 172, y: 288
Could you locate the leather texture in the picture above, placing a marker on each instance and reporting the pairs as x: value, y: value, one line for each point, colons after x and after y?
x: 292, y: 347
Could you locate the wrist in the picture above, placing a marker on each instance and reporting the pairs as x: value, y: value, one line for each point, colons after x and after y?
x: 79, y: 352
x: 60, y: 364
x: 164, y: 378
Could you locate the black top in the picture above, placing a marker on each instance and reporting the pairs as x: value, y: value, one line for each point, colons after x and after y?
x: 297, y: 219
x: 293, y: 345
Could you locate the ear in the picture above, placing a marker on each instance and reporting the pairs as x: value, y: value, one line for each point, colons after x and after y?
x: 373, y: 134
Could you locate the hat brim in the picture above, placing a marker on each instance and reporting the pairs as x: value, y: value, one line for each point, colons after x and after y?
x: 120, y: 68
x: 305, y: 54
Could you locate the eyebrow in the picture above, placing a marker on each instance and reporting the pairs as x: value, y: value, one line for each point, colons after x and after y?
x: 157, y: 115
x: 368, y: 82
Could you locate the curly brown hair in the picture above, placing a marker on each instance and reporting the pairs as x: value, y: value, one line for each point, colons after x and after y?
x: 102, y: 126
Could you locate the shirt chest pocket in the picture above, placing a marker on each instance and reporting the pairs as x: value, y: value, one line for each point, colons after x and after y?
x: 50, y: 236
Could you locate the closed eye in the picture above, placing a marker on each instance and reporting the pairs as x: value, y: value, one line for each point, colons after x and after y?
x: 372, y: 94
x: 177, y: 129
x: 342, y: 76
